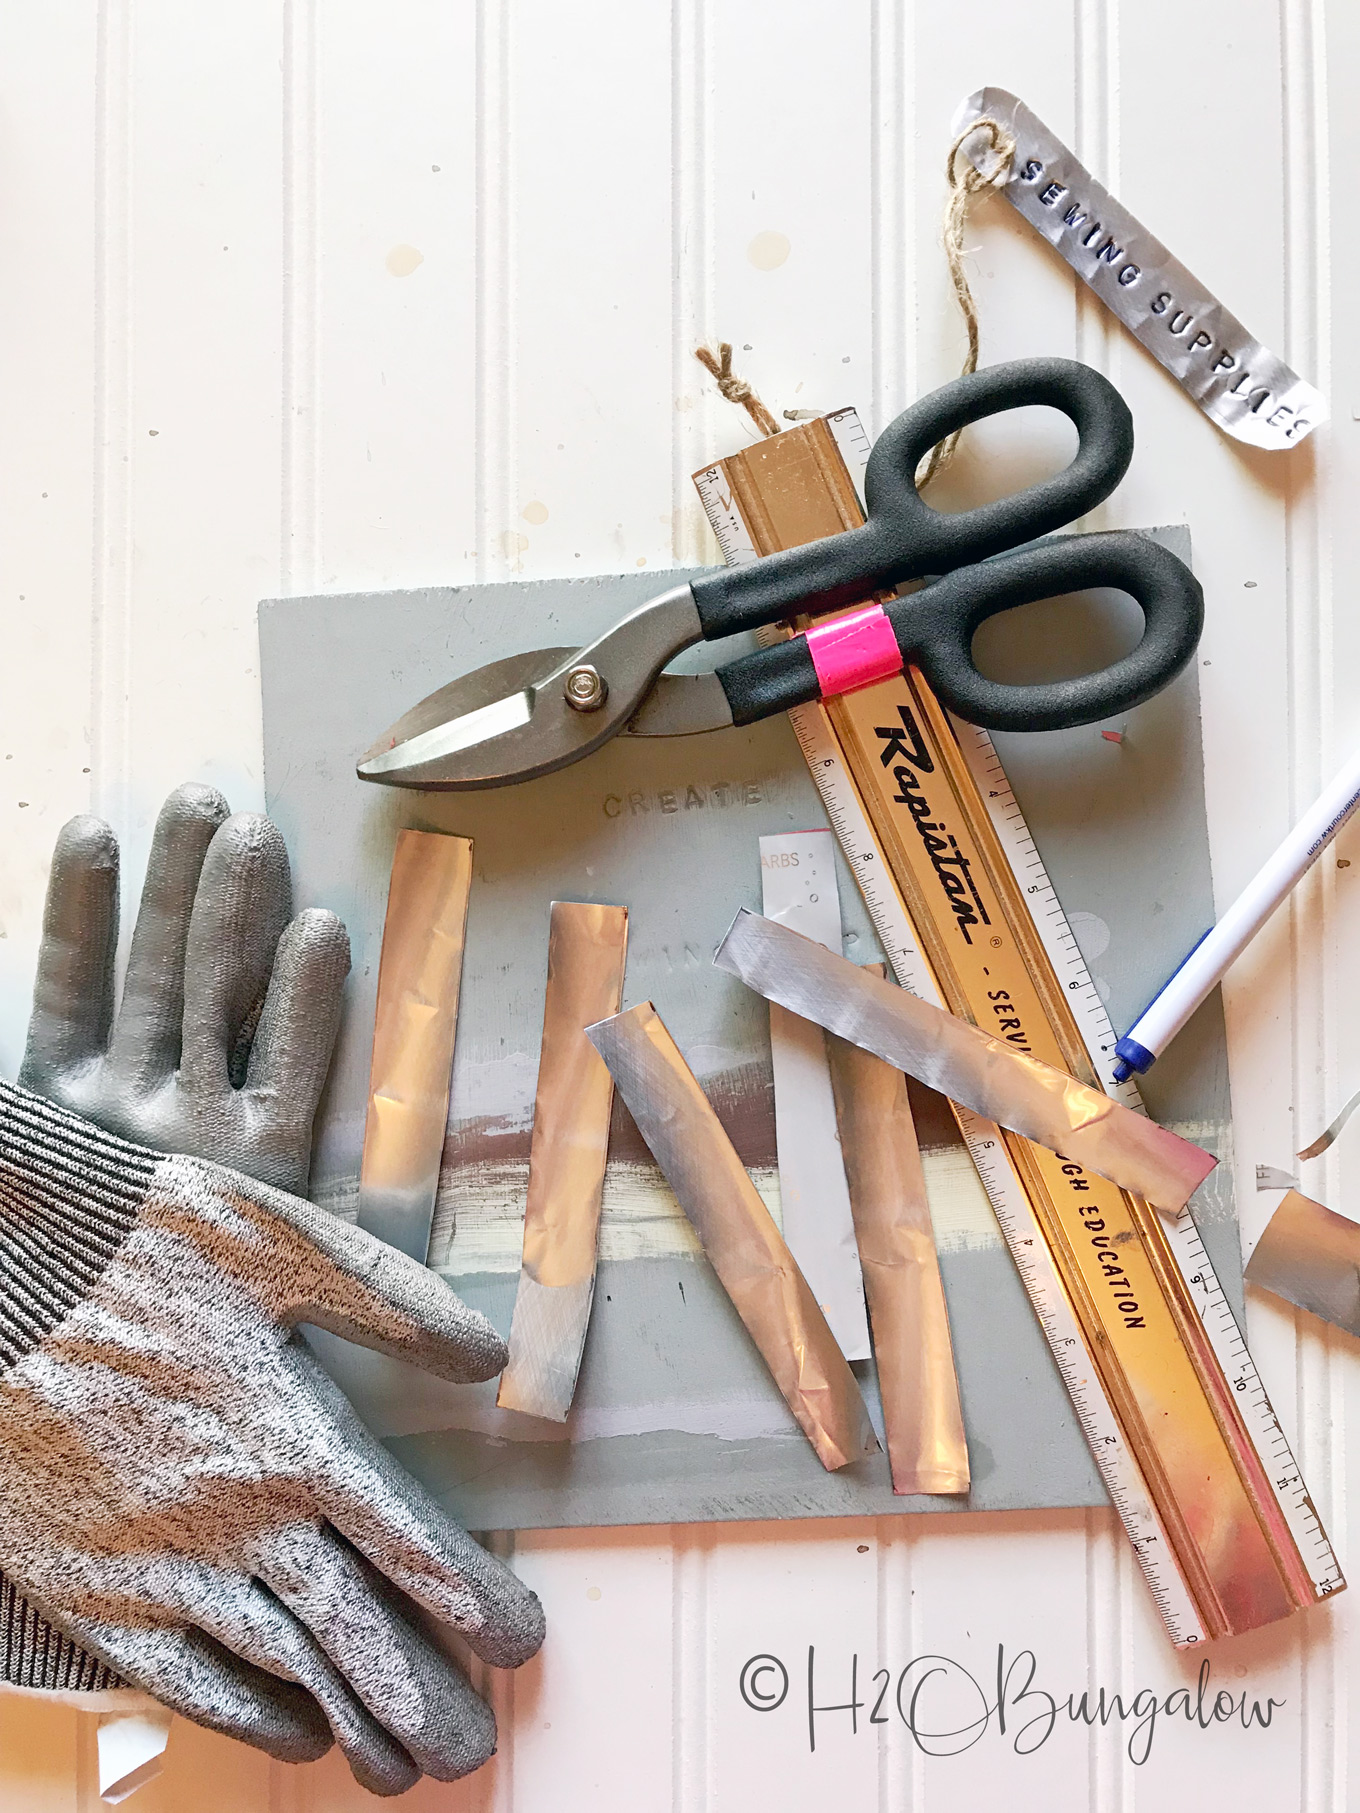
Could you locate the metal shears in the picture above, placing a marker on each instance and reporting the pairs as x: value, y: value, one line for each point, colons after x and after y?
x: 536, y: 712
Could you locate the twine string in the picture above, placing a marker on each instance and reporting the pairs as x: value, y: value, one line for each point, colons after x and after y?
x: 962, y: 188
x: 963, y: 185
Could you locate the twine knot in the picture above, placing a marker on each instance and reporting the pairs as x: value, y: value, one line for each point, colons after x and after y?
x: 963, y: 186
x: 735, y: 389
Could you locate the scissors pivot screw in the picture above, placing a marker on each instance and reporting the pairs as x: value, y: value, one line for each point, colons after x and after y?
x: 586, y: 689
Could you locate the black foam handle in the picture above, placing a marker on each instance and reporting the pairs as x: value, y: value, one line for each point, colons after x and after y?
x: 904, y: 538
x: 935, y: 628
x: 770, y: 680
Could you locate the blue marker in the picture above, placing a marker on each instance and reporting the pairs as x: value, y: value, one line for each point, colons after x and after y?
x: 1201, y: 971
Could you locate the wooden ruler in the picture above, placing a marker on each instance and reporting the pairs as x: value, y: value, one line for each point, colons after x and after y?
x: 1167, y: 1394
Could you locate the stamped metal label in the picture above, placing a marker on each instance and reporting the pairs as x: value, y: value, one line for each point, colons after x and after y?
x: 1238, y: 383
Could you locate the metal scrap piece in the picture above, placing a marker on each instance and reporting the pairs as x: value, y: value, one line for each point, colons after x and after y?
x: 587, y: 944
x: 982, y: 1073
x: 738, y: 1235
x: 1311, y: 1257
x: 927, y: 1448
x: 417, y: 1017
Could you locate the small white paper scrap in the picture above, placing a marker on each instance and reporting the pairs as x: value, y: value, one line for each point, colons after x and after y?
x: 131, y: 1749
x: 798, y: 887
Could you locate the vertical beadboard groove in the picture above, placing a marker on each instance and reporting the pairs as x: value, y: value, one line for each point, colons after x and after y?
x: 693, y: 310
x: 1096, y: 131
x: 887, y: 1564
x: 1308, y: 637
x: 894, y: 370
x: 1108, y: 1650
x: 495, y: 290
x: 290, y: 1789
x: 893, y: 179
x: 111, y: 598
x: 300, y: 525
x: 1098, y: 342
x: 901, y: 1766
x: 497, y: 1688
x: 111, y: 576
x: 1308, y: 604
x: 692, y: 266
x: 1098, y: 338
x: 691, y: 1688
x: 85, y: 1797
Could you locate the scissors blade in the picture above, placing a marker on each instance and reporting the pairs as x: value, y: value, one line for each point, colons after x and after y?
x: 493, y: 701
x: 513, y: 719
x: 681, y: 705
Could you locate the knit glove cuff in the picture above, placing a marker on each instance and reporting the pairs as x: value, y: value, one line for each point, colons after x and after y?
x: 69, y: 1195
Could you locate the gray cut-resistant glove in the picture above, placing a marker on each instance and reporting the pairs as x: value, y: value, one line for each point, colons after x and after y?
x: 220, y: 1046
x: 221, y: 1043
x: 186, y: 1494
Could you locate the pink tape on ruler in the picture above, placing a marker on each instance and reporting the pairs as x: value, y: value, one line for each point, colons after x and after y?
x: 854, y: 651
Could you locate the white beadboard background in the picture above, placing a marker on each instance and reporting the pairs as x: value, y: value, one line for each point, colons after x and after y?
x: 216, y: 383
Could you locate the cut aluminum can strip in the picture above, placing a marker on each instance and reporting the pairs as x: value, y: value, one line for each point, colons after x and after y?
x: 1329, y: 1136
x: 814, y: 1198
x: 1310, y: 1256
x: 587, y: 945
x: 982, y: 1073
x: 1243, y: 387
x: 737, y: 1233
x: 922, y: 1416
x: 417, y: 1018
x: 798, y: 888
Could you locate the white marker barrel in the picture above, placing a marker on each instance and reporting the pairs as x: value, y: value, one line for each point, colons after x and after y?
x: 1248, y: 913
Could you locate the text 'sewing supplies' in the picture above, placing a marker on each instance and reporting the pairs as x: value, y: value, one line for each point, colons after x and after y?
x: 1240, y: 385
